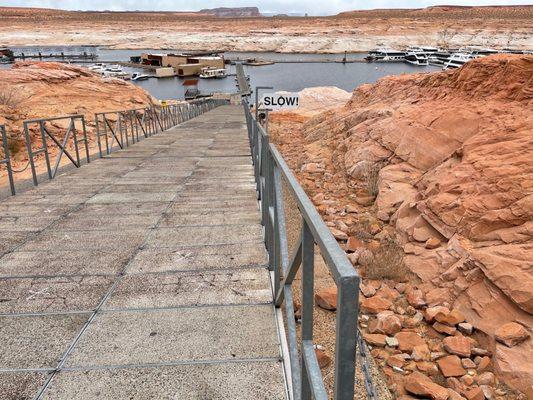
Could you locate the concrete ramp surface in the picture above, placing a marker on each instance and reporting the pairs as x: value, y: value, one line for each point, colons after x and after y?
x: 142, y: 276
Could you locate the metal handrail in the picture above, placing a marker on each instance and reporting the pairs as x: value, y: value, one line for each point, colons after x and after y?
x: 7, y: 158
x: 72, y: 130
x: 124, y: 127
x: 307, y: 381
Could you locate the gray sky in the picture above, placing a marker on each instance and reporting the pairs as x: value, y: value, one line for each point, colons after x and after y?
x: 313, y: 7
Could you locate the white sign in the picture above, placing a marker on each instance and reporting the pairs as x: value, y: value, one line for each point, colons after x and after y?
x: 279, y: 101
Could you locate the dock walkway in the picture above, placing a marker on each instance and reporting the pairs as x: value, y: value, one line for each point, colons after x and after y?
x: 142, y: 276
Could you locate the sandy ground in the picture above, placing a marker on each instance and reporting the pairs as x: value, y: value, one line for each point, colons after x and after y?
x: 356, y: 31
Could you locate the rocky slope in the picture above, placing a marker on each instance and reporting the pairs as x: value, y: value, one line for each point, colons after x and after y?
x: 355, y: 31
x: 40, y: 90
x: 441, y: 166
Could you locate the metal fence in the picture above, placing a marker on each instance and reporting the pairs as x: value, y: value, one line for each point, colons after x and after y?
x: 63, y: 143
x: 270, y: 170
x: 112, y: 129
x: 7, y: 158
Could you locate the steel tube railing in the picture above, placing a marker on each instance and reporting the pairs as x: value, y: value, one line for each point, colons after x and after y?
x: 270, y: 169
x: 46, y: 133
x: 7, y: 158
x: 113, y: 128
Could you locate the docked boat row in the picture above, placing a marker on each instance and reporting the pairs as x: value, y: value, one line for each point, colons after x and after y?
x: 116, y: 71
x: 424, y: 55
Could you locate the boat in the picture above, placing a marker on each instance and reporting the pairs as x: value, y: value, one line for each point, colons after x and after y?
x: 457, y: 60
x: 97, y: 67
x: 136, y: 76
x: 213, y: 73
x: 416, y: 58
x: 257, y: 63
x: 385, y: 55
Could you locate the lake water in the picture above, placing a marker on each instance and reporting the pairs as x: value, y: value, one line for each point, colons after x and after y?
x: 293, y: 74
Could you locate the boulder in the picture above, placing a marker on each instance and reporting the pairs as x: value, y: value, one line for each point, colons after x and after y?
x: 511, y: 334
x: 323, y: 359
x: 327, y: 298
x: 375, y: 339
x: 396, y: 361
x: 420, y: 385
x: 458, y: 345
x: 451, y: 366
x: 452, y: 318
x: 485, y: 378
x: 421, y: 353
x: 386, y: 323
x: 338, y: 234
x: 375, y: 304
x: 408, y: 340
x: 475, y: 394
x: 442, y: 328
x: 465, y: 328
x: 353, y: 244
x: 431, y: 312
x: 415, y: 297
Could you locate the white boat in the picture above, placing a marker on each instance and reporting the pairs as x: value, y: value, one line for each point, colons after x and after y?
x: 416, y: 58
x: 136, y: 76
x: 213, y: 73
x: 388, y: 55
x: 97, y: 67
x: 114, y: 68
x: 457, y: 60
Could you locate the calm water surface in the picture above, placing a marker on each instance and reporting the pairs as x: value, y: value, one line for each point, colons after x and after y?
x: 289, y: 76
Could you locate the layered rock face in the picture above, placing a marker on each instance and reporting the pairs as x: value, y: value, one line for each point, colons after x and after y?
x: 229, y: 12
x: 452, y: 155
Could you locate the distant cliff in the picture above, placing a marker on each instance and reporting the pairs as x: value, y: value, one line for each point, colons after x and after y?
x: 232, y: 12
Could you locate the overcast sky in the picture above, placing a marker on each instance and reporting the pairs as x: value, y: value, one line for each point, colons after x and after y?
x: 313, y: 7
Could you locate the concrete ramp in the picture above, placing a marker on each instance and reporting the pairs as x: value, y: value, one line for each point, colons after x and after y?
x: 142, y: 276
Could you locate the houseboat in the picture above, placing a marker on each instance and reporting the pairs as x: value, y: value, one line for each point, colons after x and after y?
x: 213, y: 73
x: 385, y: 55
x: 416, y: 58
x: 457, y: 60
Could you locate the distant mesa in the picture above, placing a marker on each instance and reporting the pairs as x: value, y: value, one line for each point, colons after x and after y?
x: 229, y: 12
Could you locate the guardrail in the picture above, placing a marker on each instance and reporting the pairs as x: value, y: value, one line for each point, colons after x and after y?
x: 7, y: 158
x: 123, y: 127
x: 307, y: 381
x: 71, y: 131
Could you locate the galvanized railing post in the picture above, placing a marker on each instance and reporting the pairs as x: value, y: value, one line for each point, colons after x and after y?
x: 7, y: 159
x: 308, y: 254
x: 45, y: 147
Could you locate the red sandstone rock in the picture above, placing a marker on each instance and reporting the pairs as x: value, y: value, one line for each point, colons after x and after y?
x: 375, y: 304
x: 375, y: 339
x: 420, y: 385
x: 386, y: 323
x: 416, y: 298
x: 446, y: 329
x: 475, y: 394
x: 408, y: 340
x: 396, y: 361
x: 323, y: 359
x: 451, y: 366
x: 458, y: 345
x: 353, y: 244
x: 327, y: 298
x: 452, y: 318
x: 459, y: 174
x: 511, y: 334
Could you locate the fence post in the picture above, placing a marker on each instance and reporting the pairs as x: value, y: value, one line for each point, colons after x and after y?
x: 7, y: 159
